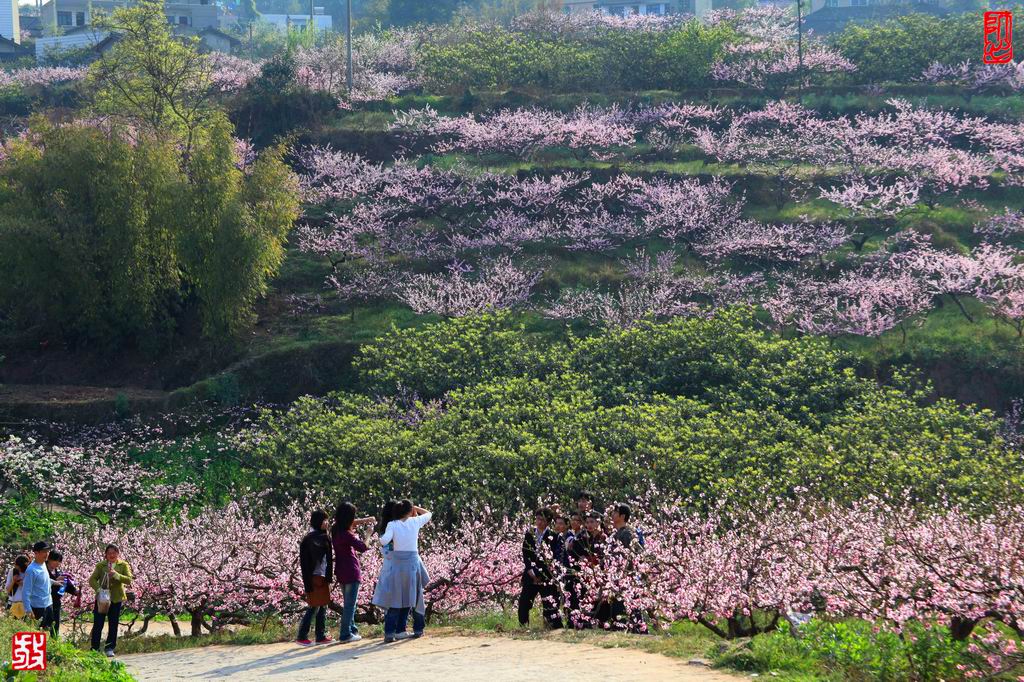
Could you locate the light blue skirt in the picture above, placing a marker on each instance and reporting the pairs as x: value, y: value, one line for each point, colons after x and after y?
x: 402, y: 580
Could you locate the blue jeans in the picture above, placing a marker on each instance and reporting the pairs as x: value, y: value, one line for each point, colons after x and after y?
x: 396, y: 619
x: 307, y: 619
x: 349, y: 593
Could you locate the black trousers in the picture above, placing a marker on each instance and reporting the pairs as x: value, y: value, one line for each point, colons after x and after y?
x: 549, y: 603
x: 55, y: 627
x: 112, y: 617
x: 574, y: 590
x: 44, y: 616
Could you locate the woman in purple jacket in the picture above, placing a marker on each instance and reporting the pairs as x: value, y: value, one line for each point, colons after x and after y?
x: 346, y: 565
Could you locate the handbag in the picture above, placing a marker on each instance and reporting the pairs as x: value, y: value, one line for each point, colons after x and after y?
x: 17, y: 609
x: 321, y: 594
x: 103, y: 595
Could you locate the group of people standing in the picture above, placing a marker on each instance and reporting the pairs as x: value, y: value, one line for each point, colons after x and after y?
x: 555, y: 551
x: 330, y: 553
x: 36, y: 589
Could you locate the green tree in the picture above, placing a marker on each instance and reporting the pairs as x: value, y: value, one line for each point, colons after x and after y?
x: 106, y: 237
x: 247, y: 12
x: 151, y: 77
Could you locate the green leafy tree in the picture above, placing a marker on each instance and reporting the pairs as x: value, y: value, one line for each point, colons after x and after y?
x: 247, y: 12
x: 430, y: 361
x: 106, y: 237
x: 151, y: 77
x: 234, y: 228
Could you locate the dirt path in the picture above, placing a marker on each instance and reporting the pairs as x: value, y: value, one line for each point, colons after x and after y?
x: 440, y: 659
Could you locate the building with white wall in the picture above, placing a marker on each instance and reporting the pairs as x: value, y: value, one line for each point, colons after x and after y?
x: 9, y: 25
x: 323, y: 22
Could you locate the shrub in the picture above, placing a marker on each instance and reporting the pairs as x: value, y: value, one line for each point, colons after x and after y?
x: 494, y: 57
x: 432, y: 360
x: 699, y: 407
x: 900, y: 49
x: 65, y: 662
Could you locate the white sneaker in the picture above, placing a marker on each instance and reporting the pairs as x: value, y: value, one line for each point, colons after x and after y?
x: 403, y: 635
x: 353, y: 638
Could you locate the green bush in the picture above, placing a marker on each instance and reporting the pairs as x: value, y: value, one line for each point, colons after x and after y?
x: 432, y: 360
x: 898, y: 50
x: 14, y: 101
x: 65, y: 662
x: 493, y: 57
x: 710, y: 407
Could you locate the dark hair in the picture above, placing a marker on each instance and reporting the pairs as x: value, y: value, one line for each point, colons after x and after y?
x: 594, y: 515
x: 576, y: 513
x: 562, y: 517
x: 55, y: 556
x: 21, y: 562
x: 110, y: 547
x: 387, y: 513
x: 545, y: 512
x: 317, y: 518
x: 623, y: 510
x: 403, y: 508
x: 344, y: 515
x: 584, y: 495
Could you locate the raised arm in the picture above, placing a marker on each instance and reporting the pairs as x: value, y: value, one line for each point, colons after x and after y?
x: 422, y: 517
x: 389, y: 534
x: 122, y: 578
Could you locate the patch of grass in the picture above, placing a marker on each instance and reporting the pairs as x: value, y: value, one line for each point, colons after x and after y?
x: 65, y: 662
x: 271, y: 632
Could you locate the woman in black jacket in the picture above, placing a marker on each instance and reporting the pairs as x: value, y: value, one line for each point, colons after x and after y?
x: 316, y: 561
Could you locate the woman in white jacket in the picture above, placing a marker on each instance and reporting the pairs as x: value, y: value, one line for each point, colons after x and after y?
x: 403, y: 576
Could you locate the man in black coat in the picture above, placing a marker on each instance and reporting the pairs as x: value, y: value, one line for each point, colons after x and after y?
x: 540, y: 546
x: 627, y: 539
x: 316, y: 561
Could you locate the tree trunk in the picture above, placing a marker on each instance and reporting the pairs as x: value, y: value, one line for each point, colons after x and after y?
x: 197, y: 623
x: 960, y: 628
x: 956, y: 299
x: 174, y: 626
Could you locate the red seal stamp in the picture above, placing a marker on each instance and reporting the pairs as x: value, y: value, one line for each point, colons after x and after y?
x: 28, y: 651
x: 998, y: 38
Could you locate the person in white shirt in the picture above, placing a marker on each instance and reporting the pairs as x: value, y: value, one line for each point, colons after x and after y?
x: 14, y: 585
x: 402, y: 580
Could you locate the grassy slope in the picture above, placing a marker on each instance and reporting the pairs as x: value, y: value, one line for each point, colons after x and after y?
x: 291, y: 352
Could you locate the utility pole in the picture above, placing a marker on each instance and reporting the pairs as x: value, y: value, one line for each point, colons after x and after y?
x: 348, y: 43
x: 800, y: 44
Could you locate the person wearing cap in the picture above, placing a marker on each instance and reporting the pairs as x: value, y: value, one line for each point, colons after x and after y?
x: 36, y: 587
